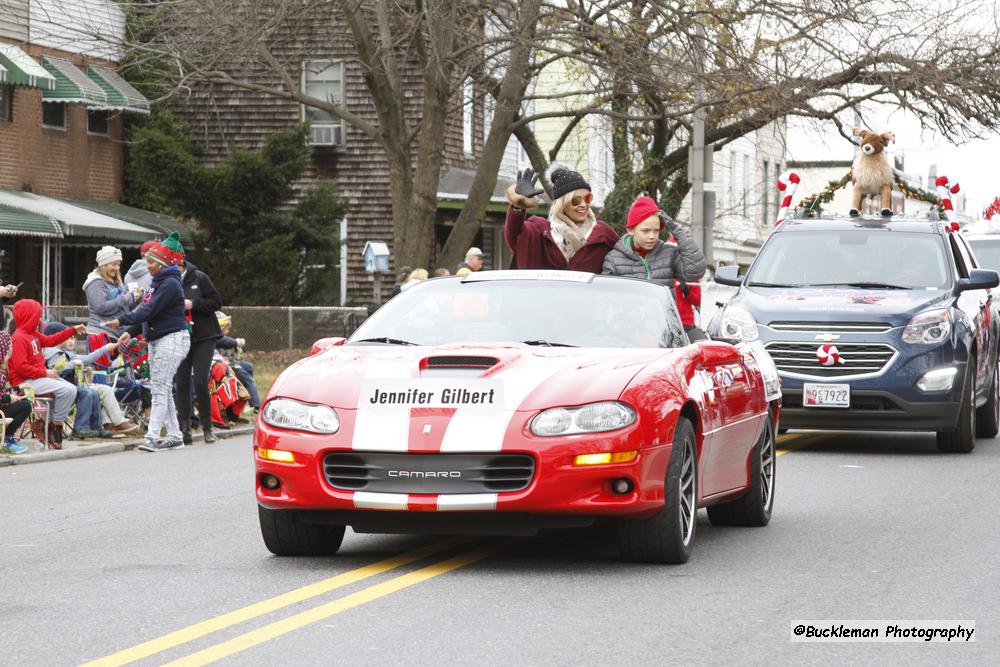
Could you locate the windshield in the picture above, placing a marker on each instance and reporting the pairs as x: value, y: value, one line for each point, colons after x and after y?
x: 883, y: 259
x: 987, y: 252
x: 607, y: 312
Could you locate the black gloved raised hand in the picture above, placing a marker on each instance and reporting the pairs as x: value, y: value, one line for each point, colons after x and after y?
x: 526, y: 186
x: 670, y: 223
x: 685, y: 290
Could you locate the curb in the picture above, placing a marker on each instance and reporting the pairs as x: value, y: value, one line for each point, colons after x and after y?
x: 103, y: 448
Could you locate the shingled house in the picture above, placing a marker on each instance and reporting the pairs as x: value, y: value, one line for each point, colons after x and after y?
x: 320, y: 55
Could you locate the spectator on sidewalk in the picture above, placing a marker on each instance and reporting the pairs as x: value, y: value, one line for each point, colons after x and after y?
x: 138, y: 275
x: 232, y: 351
x: 640, y: 253
x: 107, y: 296
x: 416, y: 276
x: 401, y: 277
x: 97, y: 409
x: 15, y: 408
x: 473, y: 260
x: 571, y: 238
x: 441, y: 272
x: 163, y: 325
x: 27, y: 364
x: 6, y: 292
x: 201, y: 300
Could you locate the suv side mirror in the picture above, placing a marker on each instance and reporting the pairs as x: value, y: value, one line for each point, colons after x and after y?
x: 978, y: 279
x: 728, y: 275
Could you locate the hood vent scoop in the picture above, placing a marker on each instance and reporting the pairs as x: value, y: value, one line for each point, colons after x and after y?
x: 481, y: 363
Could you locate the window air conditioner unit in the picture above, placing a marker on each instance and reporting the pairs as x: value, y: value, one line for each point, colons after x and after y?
x: 326, y: 135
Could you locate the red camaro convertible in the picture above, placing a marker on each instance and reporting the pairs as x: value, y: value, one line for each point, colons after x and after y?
x: 507, y: 401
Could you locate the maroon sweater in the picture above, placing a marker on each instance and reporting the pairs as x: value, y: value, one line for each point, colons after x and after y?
x: 533, y: 246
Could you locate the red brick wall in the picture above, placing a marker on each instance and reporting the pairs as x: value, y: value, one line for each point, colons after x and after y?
x: 59, y: 163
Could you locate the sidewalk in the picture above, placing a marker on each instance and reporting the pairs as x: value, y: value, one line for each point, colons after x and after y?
x: 74, y: 449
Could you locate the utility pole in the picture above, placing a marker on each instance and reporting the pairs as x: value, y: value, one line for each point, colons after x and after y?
x: 701, y: 227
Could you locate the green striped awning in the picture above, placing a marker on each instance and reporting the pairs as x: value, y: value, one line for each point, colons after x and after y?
x: 18, y: 222
x: 72, y: 85
x: 21, y: 70
x: 121, y: 95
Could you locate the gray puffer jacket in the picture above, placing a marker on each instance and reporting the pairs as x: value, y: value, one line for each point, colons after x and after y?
x: 664, y: 263
x: 105, y: 302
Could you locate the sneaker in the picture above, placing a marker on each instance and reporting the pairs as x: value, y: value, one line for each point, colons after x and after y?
x: 84, y: 433
x: 149, y: 445
x: 13, y: 448
x: 170, y: 443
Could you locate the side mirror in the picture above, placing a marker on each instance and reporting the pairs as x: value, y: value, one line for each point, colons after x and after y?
x: 324, y: 344
x: 978, y: 279
x: 715, y: 353
x: 728, y: 275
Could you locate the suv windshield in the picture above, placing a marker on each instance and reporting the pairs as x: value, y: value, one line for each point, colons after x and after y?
x: 607, y: 312
x: 883, y: 259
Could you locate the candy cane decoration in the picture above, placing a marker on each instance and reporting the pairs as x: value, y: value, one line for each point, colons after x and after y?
x: 944, y: 193
x: 788, y: 183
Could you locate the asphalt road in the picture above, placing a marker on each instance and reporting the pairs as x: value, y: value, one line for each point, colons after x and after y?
x: 159, y: 555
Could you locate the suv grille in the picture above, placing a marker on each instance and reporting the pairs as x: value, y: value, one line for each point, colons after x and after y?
x: 832, y: 327
x: 391, y: 472
x: 859, y: 359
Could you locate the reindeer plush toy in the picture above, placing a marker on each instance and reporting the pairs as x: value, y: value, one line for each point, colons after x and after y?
x: 871, y: 173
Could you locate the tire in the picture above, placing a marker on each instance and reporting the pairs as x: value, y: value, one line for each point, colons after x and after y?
x: 285, y: 534
x: 667, y: 536
x: 962, y: 440
x: 988, y: 416
x: 754, y: 507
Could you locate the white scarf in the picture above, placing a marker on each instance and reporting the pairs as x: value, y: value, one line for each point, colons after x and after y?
x: 568, y: 235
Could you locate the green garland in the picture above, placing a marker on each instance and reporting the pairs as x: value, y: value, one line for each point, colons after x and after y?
x: 812, y: 208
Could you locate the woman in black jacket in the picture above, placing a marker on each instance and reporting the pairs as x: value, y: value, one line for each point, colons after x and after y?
x: 201, y: 300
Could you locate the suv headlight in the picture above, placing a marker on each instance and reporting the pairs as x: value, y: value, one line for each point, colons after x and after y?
x: 737, y: 323
x: 590, y: 418
x: 299, y: 416
x: 928, y: 328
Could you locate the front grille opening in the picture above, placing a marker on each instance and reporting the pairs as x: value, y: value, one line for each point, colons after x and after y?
x: 509, y: 473
x: 347, y: 471
x: 861, y: 358
x: 402, y: 472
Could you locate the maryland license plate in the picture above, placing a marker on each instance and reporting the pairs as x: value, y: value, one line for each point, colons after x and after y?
x: 821, y: 395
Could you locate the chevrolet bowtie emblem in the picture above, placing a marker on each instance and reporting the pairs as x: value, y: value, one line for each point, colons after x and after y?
x: 826, y: 338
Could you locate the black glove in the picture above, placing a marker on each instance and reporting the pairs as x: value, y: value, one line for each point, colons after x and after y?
x: 526, y: 184
x: 670, y: 223
x: 685, y: 290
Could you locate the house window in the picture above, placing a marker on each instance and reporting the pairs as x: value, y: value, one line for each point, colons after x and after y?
x: 468, y: 116
x: 765, y: 198
x: 746, y: 186
x: 324, y: 80
x: 54, y: 115
x: 98, y: 121
x: 6, y: 103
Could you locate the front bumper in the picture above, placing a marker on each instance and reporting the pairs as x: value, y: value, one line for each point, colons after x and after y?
x: 567, y: 493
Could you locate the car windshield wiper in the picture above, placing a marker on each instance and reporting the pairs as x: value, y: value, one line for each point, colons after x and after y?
x: 546, y: 343
x: 385, y: 339
x: 863, y: 285
x: 757, y: 284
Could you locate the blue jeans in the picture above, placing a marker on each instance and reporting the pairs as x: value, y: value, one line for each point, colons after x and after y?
x: 88, y: 409
x: 244, y: 373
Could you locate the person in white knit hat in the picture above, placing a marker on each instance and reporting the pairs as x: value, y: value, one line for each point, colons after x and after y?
x: 107, y: 296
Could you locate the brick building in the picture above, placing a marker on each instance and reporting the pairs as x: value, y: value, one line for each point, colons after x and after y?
x: 62, y: 115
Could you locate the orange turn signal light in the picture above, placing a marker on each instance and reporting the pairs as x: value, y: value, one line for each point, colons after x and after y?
x: 278, y: 455
x: 609, y: 457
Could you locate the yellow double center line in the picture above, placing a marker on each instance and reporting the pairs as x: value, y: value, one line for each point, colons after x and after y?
x: 278, y: 628
x: 790, y: 443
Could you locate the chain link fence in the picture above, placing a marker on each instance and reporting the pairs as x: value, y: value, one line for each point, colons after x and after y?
x: 274, y: 332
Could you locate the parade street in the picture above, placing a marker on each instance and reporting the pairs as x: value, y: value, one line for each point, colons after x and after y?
x: 151, y: 559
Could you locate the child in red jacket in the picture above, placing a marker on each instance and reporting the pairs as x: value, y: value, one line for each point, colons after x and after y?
x: 27, y: 364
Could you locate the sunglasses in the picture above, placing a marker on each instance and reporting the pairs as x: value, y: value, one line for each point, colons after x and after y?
x: 575, y: 201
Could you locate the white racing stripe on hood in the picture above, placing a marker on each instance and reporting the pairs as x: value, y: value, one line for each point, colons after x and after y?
x: 383, y: 431
x: 467, y: 501
x: 367, y: 500
x: 470, y: 431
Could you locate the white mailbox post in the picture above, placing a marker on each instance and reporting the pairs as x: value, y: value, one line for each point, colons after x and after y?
x: 376, y: 254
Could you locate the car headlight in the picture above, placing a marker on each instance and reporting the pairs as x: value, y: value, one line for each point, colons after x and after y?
x: 299, y: 416
x: 591, y: 418
x: 737, y: 323
x: 928, y: 328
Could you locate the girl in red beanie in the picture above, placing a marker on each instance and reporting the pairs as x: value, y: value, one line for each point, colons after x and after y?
x: 640, y: 253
